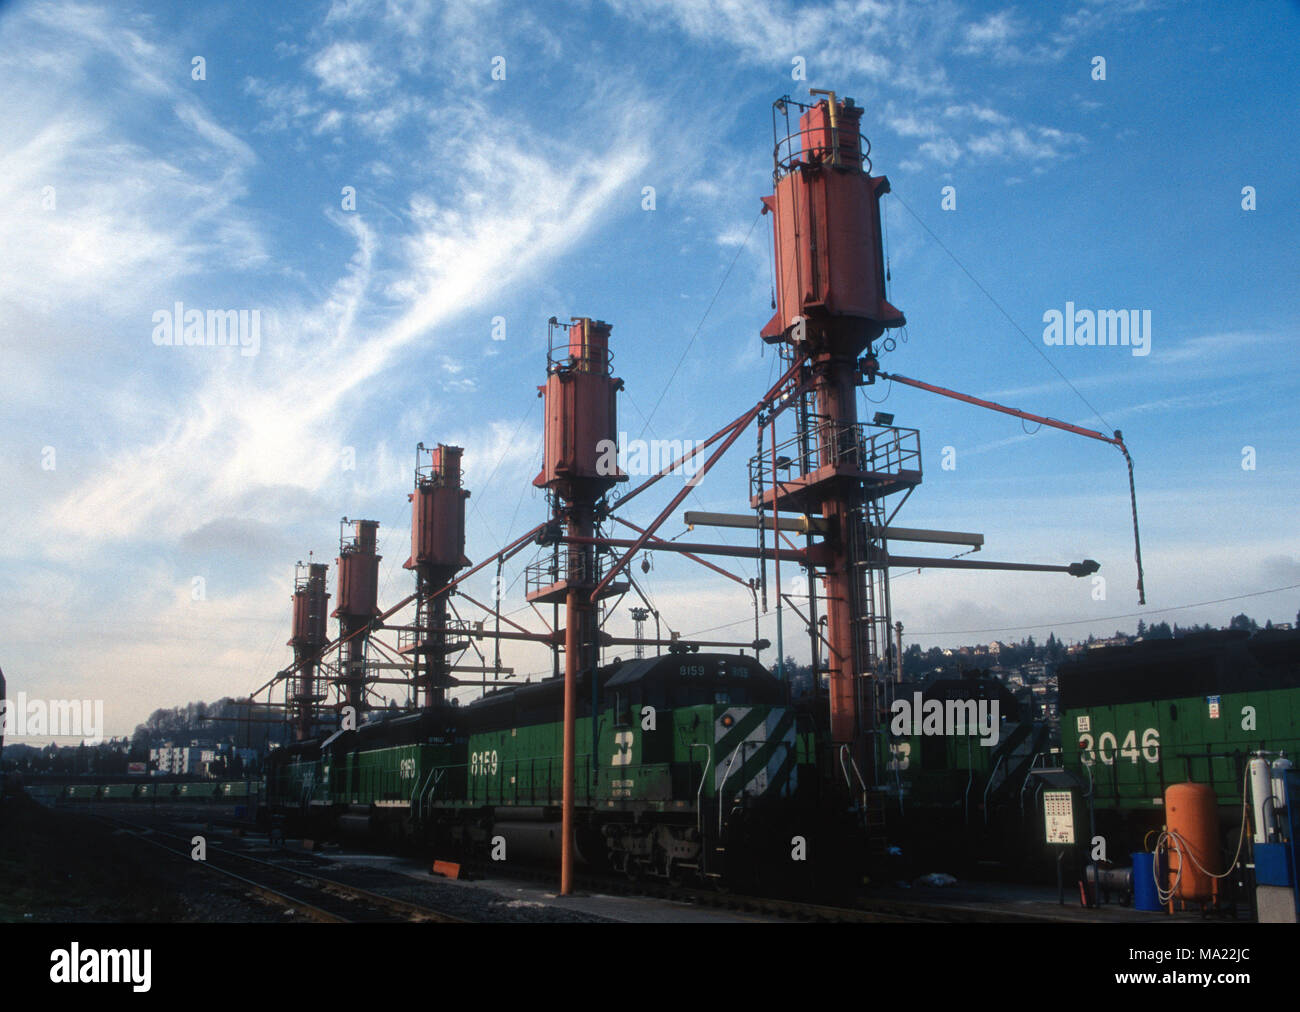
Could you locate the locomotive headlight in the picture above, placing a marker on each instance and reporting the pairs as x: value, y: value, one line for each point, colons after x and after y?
x: 727, y: 720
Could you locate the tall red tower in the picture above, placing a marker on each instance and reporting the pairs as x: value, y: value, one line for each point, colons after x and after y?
x: 357, y: 569
x: 581, y: 411
x: 310, y: 608
x: 437, y: 553
x: 831, y: 305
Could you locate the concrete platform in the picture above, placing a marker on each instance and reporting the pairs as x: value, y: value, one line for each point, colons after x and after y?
x: 623, y: 909
x: 1032, y: 900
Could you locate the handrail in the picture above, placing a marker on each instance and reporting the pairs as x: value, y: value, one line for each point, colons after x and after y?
x: 418, y: 792
x: 844, y: 753
x: 868, y: 447
x: 816, y: 154
x: 559, y: 358
x: 1024, y: 784
x: 435, y: 778
x: 699, y: 791
x: 898, y: 782
x: 988, y: 786
x: 970, y: 779
x: 725, y: 777
x: 790, y: 749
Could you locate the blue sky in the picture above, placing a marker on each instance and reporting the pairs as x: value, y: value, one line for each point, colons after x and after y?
x: 130, y: 469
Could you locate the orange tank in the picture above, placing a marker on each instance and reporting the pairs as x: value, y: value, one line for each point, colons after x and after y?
x: 830, y: 263
x: 581, y: 399
x: 1192, y: 819
x: 310, y: 607
x: 357, y: 571
x: 438, y: 513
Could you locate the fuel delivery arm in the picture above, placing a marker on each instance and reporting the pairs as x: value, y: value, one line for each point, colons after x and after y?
x: 871, y: 370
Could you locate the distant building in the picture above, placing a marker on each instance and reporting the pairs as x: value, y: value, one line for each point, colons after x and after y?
x: 182, y: 760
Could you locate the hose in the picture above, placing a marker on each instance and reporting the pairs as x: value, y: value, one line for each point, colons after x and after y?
x: 1133, y: 500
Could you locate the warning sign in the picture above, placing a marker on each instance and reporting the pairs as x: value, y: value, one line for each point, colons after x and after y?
x: 1214, y: 706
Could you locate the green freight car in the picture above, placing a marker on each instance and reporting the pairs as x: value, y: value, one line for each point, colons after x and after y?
x: 202, y: 790
x: 1139, y: 718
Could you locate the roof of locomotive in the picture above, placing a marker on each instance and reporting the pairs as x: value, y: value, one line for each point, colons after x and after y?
x: 690, y: 668
x: 676, y: 679
x: 972, y: 685
x: 671, y: 679
x: 1201, y: 664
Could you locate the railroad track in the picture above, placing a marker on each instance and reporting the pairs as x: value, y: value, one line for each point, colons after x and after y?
x: 319, y: 898
x: 863, y: 909
x: 801, y: 911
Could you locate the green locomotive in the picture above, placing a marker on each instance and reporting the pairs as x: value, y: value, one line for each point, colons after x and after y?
x: 691, y: 764
x: 956, y: 798
x: 1137, y: 719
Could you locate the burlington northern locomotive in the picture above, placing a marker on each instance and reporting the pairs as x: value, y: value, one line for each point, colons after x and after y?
x: 700, y: 768
x: 1136, y: 719
x: 958, y: 798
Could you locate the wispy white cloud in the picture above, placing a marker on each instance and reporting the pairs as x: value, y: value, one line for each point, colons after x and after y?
x: 94, y: 216
x: 351, y: 69
x: 517, y: 210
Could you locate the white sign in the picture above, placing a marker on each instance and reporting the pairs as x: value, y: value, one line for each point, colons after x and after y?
x: 1058, y: 806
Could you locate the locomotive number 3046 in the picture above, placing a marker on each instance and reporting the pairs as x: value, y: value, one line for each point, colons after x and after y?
x: 1107, y: 744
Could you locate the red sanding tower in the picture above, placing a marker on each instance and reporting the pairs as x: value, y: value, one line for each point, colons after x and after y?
x: 581, y: 411
x: 357, y: 572
x: 437, y: 553
x: 310, y: 610
x: 830, y: 303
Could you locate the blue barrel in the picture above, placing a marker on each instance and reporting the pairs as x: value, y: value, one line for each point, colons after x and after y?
x: 1145, y: 896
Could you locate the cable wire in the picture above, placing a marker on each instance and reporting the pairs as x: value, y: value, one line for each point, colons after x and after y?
x: 1028, y: 340
x: 700, y: 325
x: 1104, y: 618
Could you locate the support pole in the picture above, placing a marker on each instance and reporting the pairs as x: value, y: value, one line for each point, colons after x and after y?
x: 572, y: 650
x: 776, y: 564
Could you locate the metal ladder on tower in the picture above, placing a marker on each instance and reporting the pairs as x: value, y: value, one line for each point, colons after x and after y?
x: 871, y: 611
